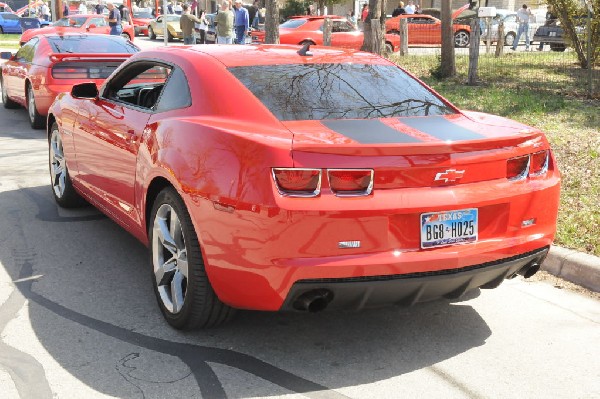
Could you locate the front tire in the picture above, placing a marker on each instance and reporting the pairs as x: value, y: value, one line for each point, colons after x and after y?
x: 151, y: 33
x: 36, y: 120
x: 62, y: 188
x: 183, y: 291
x: 461, y: 38
x: 7, y: 102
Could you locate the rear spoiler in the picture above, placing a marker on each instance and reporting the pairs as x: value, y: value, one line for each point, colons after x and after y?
x: 526, y: 139
x: 58, y: 57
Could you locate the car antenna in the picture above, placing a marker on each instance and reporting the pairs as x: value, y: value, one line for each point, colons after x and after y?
x: 304, y: 50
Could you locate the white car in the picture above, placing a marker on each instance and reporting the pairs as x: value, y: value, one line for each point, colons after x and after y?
x: 511, y: 27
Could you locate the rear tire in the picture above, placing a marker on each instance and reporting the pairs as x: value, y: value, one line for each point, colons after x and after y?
x: 151, y: 33
x: 7, y: 102
x: 389, y: 49
x: 183, y: 291
x: 36, y: 120
x: 62, y: 188
x: 509, y: 39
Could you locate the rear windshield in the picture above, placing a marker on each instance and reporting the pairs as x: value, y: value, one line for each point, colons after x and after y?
x: 293, y: 23
x: 339, y: 91
x: 91, y: 44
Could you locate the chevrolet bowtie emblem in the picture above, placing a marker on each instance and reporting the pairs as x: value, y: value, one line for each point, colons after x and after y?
x: 451, y: 175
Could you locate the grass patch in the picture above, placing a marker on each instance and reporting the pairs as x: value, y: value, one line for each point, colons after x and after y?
x: 9, y: 41
x: 572, y: 125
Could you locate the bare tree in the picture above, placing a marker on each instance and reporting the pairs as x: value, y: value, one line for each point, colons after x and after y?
x: 447, y: 67
x: 272, y: 22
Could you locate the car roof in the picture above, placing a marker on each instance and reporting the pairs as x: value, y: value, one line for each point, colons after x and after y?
x: 265, y: 54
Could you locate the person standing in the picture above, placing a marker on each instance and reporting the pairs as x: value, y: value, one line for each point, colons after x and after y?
x: 125, y: 14
x: 82, y: 8
x: 45, y: 12
x: 399, y: 10
x: 114, y: 20
x: 364, y: 12
x: 550, y: 19
x: 186, y: 23
x: 202, y: 26
x: 241, y: 23
x: 224, y: 22
x: 252, y: 11
x: 352, y: 18
x: 99, y: 8
x: 410, y: 8
x: 523, y: 17
x: 65, y: 9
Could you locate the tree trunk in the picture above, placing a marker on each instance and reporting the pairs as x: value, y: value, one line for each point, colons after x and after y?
x: 447, y: 67
x: 272, y: 22
x: 474, y: 52
x: 374, y: 15
x: 403, y: 36
x: 376, y: 37
x: 327, y: 32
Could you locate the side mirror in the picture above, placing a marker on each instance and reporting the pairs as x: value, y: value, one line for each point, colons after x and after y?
x: 6, y: 55
x: 85, y: 90
x: 91, y: 26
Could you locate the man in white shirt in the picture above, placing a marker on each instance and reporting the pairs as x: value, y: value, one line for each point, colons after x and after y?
x: 410, y: 8
x: 82, y: 8
x: 45, y: 12
x: 523, y: 17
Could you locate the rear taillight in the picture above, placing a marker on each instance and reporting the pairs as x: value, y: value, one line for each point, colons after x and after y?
x: 59, y: 72
x: 517, y: 168
x: 297, y: 182
x: 350, y: 182
x: 539, y: 163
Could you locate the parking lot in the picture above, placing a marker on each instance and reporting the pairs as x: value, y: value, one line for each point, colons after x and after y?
x: 78, y: 319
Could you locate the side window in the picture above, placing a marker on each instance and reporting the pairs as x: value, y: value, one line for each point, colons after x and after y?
x: 176, y: 93
x: 99, y: 22
x: 511, y: 18
x: 139, y: 85
x: 27, y: 51
x: 339, y: 26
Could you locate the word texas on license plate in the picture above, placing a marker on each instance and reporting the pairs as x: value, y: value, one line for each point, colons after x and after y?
x: 449, y: 227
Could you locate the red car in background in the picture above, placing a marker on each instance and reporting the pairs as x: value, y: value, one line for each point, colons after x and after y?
x: 141, y: 21
x: 340, y: 181
x: 309, y: 29
x: 425, y: 29
x: 51, y: 64
x: 80, y: 23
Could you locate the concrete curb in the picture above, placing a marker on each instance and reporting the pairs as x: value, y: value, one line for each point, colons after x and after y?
x: 574, y: 266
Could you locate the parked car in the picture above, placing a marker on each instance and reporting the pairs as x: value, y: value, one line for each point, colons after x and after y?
x: 339, y: 182
x: 425, y: 29
x: 81, y: 23
x: 141, y: 21
x: 49, y: 64
x: 309, y: 29
x: 9, y: 23
x: 554, y: 35
x: 511, y: 27
x: 156, y: 27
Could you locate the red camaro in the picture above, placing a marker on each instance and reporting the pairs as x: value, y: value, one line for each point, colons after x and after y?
x: 51, y: 64
x: 79, y: 23
x: 309, y: 29
x: 141, y: 21
x: 302, y: 182
x: 425, y: 29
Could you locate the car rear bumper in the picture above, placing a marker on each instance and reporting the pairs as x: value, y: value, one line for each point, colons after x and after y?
x: 256, y: 254
x: 407, y: 289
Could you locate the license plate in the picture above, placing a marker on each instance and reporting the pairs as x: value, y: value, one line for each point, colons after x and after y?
x: 211, y: 36
x: 450, y: 227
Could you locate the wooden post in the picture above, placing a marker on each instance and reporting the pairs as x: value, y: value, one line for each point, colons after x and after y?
x: 403, y: 36
x: 500, y: 42
x: 488, y: 43
x: 327, y: 32
x: 272, y: 22
x: 474, y: 52
x: 448, y: 63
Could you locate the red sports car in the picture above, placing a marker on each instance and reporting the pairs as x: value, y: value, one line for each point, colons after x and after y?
x: 425, y: 29
x: 51, y: 64
x: 141, y: 21
x: 309, y: 29
x: 79, y: 23
x: 335, y: 180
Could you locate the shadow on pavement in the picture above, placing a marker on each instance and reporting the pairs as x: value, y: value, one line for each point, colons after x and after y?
x: 93, y: 310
